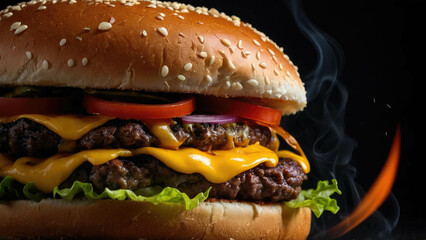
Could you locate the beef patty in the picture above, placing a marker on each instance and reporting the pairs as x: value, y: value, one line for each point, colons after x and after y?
x: 28, y: 138
x: 280, y: 183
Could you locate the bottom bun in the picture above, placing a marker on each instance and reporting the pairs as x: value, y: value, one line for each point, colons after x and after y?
x: 109, y: 219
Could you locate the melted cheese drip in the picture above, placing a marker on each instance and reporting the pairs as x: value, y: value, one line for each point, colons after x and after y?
x: 69, y: 127
x: 291, y: 141
x: 217, y: 166
x: 161, y: 129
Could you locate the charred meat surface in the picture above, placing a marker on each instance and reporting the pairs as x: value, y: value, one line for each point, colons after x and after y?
x: 27, y: 138
x: 280, y: 183
x: 118, y: 133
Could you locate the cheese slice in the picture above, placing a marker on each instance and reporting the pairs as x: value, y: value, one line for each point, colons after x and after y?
x: 69, y: 127
x: 216, y: 166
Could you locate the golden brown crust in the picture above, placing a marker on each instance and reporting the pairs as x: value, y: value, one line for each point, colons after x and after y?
x: 144, y: 45
x: 136, y: 220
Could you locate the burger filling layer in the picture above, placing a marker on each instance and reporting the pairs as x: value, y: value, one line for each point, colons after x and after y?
x: 25, y: 137
x: 261, y: 183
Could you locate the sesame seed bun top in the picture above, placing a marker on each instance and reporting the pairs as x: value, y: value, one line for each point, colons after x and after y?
x: 144, y: 45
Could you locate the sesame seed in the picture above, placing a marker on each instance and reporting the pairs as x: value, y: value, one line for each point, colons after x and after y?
x: 258, y: 55
x: 164, y: 71
x: 151, y: 6
x: 275, y: 59
x: 16, y: 8
x: 201, y: 39
x: 160, y: 17
x: 181, y: 17
x: 253, y: 82
x: 162, y: 14
x: 280, y: 66
x: 84, y: 61
x: 79, y: 38
x: 209, y: 79
x: 263, y: 65
x: 187, y: 66
x: 112, y: 20
x: 181, y: 77
x: 231, y: 65
x: 225, y: 42
x: 267, y: 81
x: 200, y: 23
x: 70, y: 62
x: 237, y: 86
x: 20, y: 29
x: 227, y: 84
x: 29, y: 55
x: 182, y: 34
x: 8, y: 15
x: 62, y: 42
x: 86, y: 29
x: 15, y: 26
x: 104, y: 26
x: 276, y: 72
x: 144, y: 33
x: 45, y: 64
x: 212, y: 58
x: 202, y: 54
x: 245, y: 53
x: 42, y: 7
x: 240, y: 44
x: 271, y: 52
x: 163, y: 31
x: 256, y: 42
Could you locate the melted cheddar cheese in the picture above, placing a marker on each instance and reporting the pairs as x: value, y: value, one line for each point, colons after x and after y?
x: 69, y: 127
x: 216, y: 166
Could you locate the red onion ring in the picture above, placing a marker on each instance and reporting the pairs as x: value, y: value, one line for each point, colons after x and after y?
x: 219, y: 119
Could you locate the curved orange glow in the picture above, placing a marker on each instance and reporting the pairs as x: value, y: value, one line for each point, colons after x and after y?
x: 377, y: 194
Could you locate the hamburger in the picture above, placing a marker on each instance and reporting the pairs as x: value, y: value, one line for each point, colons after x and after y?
x: 148, y: 120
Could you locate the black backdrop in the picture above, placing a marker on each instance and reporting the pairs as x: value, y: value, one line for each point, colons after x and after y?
x: 382, y: 48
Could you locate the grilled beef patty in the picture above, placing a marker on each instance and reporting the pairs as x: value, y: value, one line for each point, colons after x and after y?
x: 261, y: 183
x: 28, y: 138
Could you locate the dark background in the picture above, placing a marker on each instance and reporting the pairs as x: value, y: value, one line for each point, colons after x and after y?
x: 382, y: 45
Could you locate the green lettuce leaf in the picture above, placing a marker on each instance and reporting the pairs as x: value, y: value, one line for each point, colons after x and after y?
x: 13, y: 190
x: 8, y: 189
x: 166, y: 195
x: 318, y: 200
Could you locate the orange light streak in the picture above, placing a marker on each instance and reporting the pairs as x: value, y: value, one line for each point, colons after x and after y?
x: 377, y: 194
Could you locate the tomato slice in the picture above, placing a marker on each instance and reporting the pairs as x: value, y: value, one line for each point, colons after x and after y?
x: 239, y: 108
x: 125, y: 110
x: 42, y: 105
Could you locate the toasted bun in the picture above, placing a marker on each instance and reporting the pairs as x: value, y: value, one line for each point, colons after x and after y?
x: 144, y: 45
x: 108, y: 219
